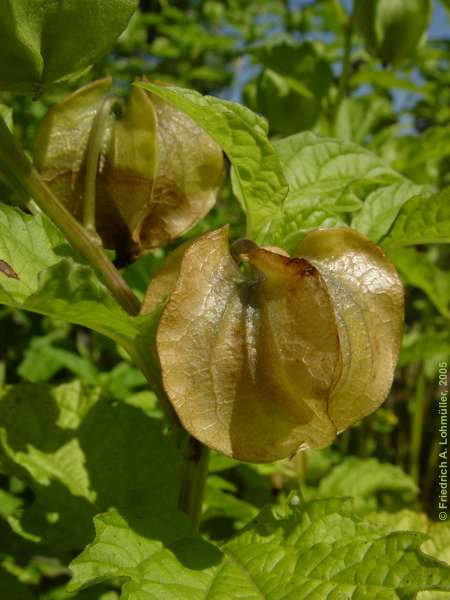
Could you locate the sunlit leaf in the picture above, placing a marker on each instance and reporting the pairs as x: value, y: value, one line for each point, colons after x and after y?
x: 356, y: 118
x: 50, y: 279
x: 421, y: 220
x: 329, y: 179
x: 381, y: 208
x: 319, y: 551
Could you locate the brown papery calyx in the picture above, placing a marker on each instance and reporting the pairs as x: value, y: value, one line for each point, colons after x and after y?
x: 158, y: 172
x: 258, y: 367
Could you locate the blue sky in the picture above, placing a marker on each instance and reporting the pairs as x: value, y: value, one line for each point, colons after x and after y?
x: 440, y: 25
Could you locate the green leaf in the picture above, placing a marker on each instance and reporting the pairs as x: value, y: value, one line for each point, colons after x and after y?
x: 365, y: 480
x: 98, y: 592
x: 40, y: 273
x: 386, y: 80
x: 319, y: 551
x: 382, y: 206
x: 45, y: 42
x: 220, y: 503
x: 289, y: 91
x: 431, y: 346
x: 6, y: 113
x: 407, y: 520
x: 42, y: 361
x: 8, y: 503
x: 329, y: 180
x: 259, y: 180
x: 438, y: 544
x: 81, y: 454
x: 393, y: 28
x: 421, y: 220
x: 418, y: 270
x: 357, y: 117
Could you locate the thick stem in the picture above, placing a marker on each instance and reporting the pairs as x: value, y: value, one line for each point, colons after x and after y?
x: 93, y: 152
x: 195, y: 472
x: 18, y: 168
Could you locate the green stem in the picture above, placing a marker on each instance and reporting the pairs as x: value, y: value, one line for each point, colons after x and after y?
x: 347, y: 27
x: 195, y: 472
x: 418, y: 415
x: 94, y: 148
x: 18, y: 168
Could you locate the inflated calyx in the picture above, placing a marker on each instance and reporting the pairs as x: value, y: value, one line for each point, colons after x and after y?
x: 263, y: 354
x: 158, y: 173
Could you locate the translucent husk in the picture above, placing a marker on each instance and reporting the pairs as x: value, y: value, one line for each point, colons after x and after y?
x: 158, y: 173
x: 282, y: 355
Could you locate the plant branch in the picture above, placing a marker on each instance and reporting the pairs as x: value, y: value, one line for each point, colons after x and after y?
x: 195, y: 472
x: 18, y: 168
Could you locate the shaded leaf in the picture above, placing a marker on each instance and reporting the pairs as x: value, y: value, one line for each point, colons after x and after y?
x: 46, y: 42
x: 289, y: 91
x: 42, y: 360
x: 81, y: 454
x: 366, y: 480
x: 393, y: 28
x: 12, y: 588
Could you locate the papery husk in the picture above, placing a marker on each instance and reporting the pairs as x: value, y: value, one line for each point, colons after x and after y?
x: 260, y: 366
x: 158, y: 173
x: 368, y: 301
x: 190, y: 172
